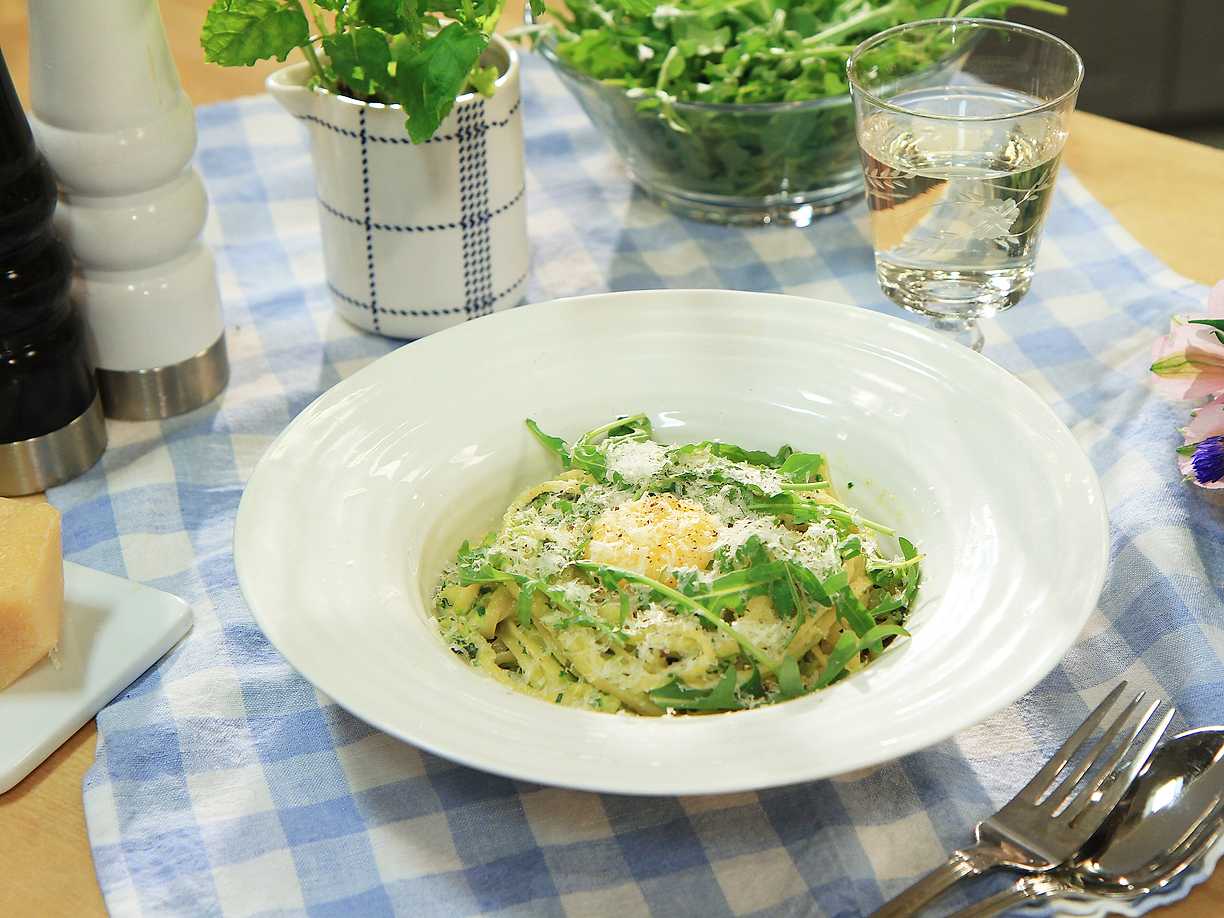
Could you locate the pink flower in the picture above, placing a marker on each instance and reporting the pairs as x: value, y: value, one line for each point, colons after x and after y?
x: 1188, y: 363
x: 1215, y: 301
x: 1202, y: 458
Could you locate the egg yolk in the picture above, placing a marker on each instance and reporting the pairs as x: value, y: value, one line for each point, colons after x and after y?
x: 653, y: 535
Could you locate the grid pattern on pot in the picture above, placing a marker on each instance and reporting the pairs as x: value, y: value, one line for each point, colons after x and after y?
x: 225, y: 784
x: 367, y: 219
x: 473, y: 225
x: 437, y: 138
x: 474, y: 214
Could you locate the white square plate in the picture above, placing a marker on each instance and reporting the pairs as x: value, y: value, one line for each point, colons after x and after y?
x: 113, y: 631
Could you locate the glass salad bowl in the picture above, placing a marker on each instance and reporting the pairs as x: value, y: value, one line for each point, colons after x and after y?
x: 750, y: 163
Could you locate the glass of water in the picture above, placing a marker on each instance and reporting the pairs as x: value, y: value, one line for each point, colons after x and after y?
x: 961, y: 124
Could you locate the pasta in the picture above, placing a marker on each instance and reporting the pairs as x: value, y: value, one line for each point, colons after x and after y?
x: 651, y: 579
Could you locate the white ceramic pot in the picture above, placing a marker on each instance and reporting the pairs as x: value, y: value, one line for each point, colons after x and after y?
x: 418, y: 237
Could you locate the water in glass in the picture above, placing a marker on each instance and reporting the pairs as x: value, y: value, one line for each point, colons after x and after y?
x: 956, y: 206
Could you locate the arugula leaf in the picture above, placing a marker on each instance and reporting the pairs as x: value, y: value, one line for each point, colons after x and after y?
x: 682, y: 698
x: 790, y: 684
x: 523, y: 604
x: 836, y: 582
x: 360, y: 57
x: 735, y: 453
x: 553, y: 444
x: 752, y: 686
x: 783, y: 595
x: 241, y: 32
x: 847, y: 648
x: 606, y: 572
x: 429, y: 79
x: 636, y: 7
x: 851, y: 611
x: 803, y: 467
x: 636, y: 427
x: 835, y: 665
x: 913, y: 574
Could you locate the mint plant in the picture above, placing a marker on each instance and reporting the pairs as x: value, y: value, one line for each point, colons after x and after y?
x: 390, y: 51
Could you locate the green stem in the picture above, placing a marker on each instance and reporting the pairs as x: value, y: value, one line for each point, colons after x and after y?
x: 313, y: 12
x: 587, y: 438
x: 865, y: 19
x: 896, y: 565
x: 672, y: 53
x: 315, y: 64
x: 1042, y: 6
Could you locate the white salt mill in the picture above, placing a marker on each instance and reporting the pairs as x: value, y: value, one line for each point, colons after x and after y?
x: 119, y: 132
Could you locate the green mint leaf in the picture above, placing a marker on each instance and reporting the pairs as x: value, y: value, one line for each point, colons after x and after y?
x: 237, y: 33
x: 360, y: 57
x: 482, y: 80
x: 538, y: 8
x: 382, y: 14
x: 428, y: 80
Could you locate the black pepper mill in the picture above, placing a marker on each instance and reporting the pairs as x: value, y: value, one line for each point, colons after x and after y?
x: 51, y: 424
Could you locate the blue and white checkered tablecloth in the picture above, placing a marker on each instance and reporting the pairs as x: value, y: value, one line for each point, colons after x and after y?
x: 225, y: 784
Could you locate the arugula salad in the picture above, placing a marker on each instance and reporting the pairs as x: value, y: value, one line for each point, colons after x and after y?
x: 687, y: 579
x: 733, y: 99
x: 739, y: 51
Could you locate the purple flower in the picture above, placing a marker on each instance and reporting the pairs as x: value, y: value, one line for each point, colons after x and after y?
x: 1208, y: 460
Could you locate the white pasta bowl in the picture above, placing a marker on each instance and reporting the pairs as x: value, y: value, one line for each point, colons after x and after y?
x: 350, y: 516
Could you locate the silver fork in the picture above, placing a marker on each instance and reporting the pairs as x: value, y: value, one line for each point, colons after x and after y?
x: 1035, y: 831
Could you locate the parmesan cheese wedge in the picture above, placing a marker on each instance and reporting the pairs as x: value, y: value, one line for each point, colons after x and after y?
x: 31, y: 585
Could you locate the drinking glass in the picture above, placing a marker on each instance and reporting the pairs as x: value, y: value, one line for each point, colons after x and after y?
x: 961, y: 124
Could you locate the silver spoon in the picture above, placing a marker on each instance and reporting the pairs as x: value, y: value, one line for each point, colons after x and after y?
x: 1169, y: 818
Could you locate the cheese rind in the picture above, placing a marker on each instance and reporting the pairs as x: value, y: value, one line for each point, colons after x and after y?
x: 31, y: 585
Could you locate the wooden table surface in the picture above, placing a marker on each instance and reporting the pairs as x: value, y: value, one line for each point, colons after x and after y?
x: 1167, y: 192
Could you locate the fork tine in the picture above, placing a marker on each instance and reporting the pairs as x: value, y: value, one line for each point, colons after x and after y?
x: 1044, y: 778
x: 1084, y: 811
x: 1099, y: 748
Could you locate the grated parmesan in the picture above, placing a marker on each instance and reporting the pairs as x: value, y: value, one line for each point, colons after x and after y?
x: 636, y: 460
